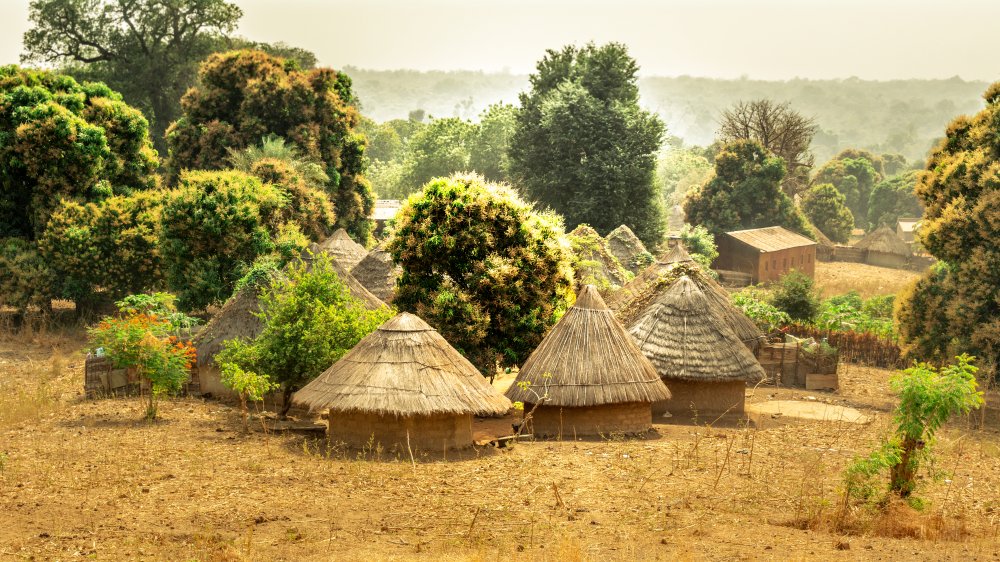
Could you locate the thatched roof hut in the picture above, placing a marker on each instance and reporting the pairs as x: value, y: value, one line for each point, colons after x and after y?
x: 885, y: 249
x: 403, y: 383
x: 343, y: 249
x: 632, y: 300
x: 598, y: 381
x: 593, y: 262
x: 677, y: 254
x: 627, y: 247
x: 694, y: 350
x: 378, y: 273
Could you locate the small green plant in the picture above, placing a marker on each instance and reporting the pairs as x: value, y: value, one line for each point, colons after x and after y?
x: 753, y: 303
x: 795, y: 295
x: 929, y: 397
x: 248, y: 385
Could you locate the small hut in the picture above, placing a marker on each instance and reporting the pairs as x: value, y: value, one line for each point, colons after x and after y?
x: 341, y: 248
x: 403, y: 385
x: 906, y: 229
x: 593, y: 262
x: 378, y: 273
x: 627, y: 247
x: 885, y: 249
x: 238, y: 319
x: 695, y: 352
x: 824, y: 246
x: 598, y: 381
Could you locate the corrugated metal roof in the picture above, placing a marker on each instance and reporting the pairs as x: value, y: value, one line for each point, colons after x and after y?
x: 907, y: 224
x: 386, y: 209
x: 771, y: 239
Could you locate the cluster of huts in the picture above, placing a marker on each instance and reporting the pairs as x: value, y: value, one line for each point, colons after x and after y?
x: 668, y: 341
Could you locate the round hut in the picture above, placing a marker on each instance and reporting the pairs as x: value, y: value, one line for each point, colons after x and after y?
x: 378, y: 273
x: 587, y: 377
x: 695, y: 351
x: 627, y: 247
x: 238, y: 318
x: 593, y: 262
x: 632, y: 300
x: 404, y: 385
x: 340, y: 247
x: 885, y: 249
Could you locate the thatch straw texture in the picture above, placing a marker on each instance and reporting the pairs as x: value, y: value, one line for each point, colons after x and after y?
x: 378, y: 273
x: 356, y: 289
x: 237, y: 319
x: 632, y: 300
x: 684, y: 339
x: 404, y: 368
x: 340, y: 247
x: 591, y: 359
x: 593, y: 262
x: 627, y: 247
x: 884, y: 239
x: 677, y: 254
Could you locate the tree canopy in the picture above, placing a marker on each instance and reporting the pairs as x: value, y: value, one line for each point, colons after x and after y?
x: 854, y: 173
x: 893, y: 198
x: 583, y: 146
x: 482, y: 267
x: 826, y: 208
x: 245, y: 96
x: 745, y: 192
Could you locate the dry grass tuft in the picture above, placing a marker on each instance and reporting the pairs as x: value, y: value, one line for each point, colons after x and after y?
x: 837, y: 278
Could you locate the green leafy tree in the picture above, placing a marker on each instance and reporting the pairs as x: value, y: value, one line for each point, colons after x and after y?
x: 795, y: 295
x: 679, y: 171
x: 482, y: 267
x: 214, y: 226
x: 778, y: 128
x: 894, y: 164
x: 310, y: 320
x: 147, y: 49
x: 854, y: 173
x: 25, y: 276
x: 745, y: 192
x: 439, y: 149
x: 490, y: 145
x: 955, y: 308
x: 893, y: 198
x: 826, y: 208
x: 700, y: 245
x: 244, y: 96
x: 583, y: 146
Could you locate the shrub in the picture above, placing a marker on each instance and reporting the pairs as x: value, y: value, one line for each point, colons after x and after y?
x: 25, y: 276
x: 482, y: 267
x: 754, y: 304
x: 700, y: 244
x: 796, y: 296
x: 849, y: 312
x: 827, y: 209
x: 310, y: 319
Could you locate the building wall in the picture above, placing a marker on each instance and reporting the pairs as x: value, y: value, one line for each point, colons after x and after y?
x: 426, y: 433
x: 767, y: 266
x: 702, y: 398
x: 567, y: 423
x: 884, y: 259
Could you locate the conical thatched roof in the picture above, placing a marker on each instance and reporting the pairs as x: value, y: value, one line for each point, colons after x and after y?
x: 591, y: 359
x: 884, y: 239
x: 237, y: 319
x: 378, y: 273
x: 684, y: 339
x: 341, y: 248
x: 593, y: 262
x: 677, y: 254
x: 627, y: 247
x: 403, y: 368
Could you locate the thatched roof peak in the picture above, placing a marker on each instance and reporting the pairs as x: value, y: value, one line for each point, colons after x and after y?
x: 677, y: 254
x: 884, y: 239
x: 627, y: 247
x: 378, y: 273
x: 685, y: 339
x: 404, y: 368
x: 342, y: 248
x: 588, y: 359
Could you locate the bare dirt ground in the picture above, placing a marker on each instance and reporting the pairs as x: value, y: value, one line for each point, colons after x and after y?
x: 90, y: 479
x: 837, y: 278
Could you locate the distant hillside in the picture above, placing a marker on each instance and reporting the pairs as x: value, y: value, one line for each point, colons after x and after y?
x: 904, y: 116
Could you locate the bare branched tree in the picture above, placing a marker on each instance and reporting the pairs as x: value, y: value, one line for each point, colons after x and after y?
x: 781, y: 129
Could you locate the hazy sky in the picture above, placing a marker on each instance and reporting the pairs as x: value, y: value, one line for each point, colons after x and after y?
x: 769, y: 39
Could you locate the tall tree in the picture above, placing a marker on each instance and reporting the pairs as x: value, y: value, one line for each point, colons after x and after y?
x: 854, y: 174
x: 826, y: 208
x: 780, y: 129
x: 439, y: 149
x: 489, y: 148
x: 955, y: 308
x: 893, y: 198
x: 745, y: 192
x: 244, y: 96
x: 146, y: 49
x: 584, y: 147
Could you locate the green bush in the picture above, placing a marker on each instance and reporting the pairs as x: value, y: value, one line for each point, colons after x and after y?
x: 796, y: 296
x: 482, y: 267
x: 826, y: 208
x: 700, y: 244
x: 310, y: 320
x: 753, y: 302
x: 25, y: 276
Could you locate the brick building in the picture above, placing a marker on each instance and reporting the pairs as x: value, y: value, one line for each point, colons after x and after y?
x: 766, y: 253
x: 597, y: 380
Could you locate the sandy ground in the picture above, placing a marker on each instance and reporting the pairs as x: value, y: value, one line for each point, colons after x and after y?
x: 89, y: 479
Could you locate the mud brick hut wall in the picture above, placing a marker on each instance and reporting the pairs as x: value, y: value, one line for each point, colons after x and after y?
x: 567, y: 422
x: 702, y: 397
x: 426, y: 432
x: 766, y: 253
x: 886, y: 259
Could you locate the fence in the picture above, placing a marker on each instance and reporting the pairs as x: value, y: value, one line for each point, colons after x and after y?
x: 864, y: 349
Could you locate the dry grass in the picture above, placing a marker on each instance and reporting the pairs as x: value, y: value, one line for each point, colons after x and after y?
x: 89, y: 478
x: 837, y: 278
